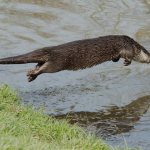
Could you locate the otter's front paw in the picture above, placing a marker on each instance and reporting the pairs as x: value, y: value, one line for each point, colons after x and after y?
x: 127, y: 62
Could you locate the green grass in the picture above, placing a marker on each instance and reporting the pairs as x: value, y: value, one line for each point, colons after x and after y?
x: 23, y: 128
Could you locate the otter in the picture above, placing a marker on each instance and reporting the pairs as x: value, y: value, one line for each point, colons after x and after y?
x: 81, y: 54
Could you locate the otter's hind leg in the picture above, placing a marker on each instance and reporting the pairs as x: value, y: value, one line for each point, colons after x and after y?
x: 47, y: 67
x: 31, y: 76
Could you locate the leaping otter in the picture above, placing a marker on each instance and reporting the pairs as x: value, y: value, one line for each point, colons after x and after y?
x: 81, y: 54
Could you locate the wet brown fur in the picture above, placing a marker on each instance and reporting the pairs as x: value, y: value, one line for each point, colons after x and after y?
x: 81, y: 54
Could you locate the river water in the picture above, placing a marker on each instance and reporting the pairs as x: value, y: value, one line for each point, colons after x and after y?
x: 109, y: 100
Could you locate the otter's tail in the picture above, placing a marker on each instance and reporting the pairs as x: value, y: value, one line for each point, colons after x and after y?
x: 37, y: 56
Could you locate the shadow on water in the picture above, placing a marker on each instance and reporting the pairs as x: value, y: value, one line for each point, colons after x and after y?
x: 114, y: 120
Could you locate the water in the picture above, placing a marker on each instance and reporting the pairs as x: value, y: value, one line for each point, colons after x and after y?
x: 89, y: 94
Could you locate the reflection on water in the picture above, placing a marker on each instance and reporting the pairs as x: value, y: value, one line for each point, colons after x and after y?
x: 112, y: 120
x: 29, y: 24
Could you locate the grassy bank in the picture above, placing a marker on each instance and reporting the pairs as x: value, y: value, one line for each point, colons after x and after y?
x: 25, y: 129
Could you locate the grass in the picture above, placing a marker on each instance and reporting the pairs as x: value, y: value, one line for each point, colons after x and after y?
x: 23, y: 128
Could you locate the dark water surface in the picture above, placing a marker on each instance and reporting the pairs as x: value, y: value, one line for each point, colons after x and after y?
x: 109, y: 100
